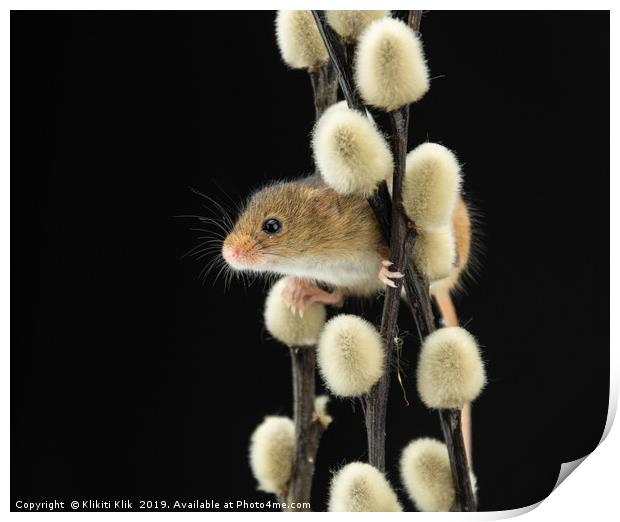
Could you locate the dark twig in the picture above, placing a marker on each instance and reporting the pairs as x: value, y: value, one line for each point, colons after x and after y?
x: 414, y: 20
x: 308, y: 426
x: 324, y: 86
x: 401, y: 236
x: 341, y: 56
x: 420, y: 306
x: 465, y: 499
x: 375, y: 406
x: 338, y: 57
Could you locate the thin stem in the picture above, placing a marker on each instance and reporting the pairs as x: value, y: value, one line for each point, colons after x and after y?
x: 450, y: 318
x: 451, y: 424
x: 308, y: 427
x: 465, y: 499
x: 414, y: 20
x: 420, y: 304
x: 336, y: 52
x: 324, y: 87
x: 341, y: 56
x: 402, y: 235
x: 401, y: 244
x: 381, y: 204
x: 418, y: 297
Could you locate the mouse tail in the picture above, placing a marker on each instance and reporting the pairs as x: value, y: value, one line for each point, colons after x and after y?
x: 466, y: 223
x: 449, y: 318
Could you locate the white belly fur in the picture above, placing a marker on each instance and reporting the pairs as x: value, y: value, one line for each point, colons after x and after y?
x: 356, y: 275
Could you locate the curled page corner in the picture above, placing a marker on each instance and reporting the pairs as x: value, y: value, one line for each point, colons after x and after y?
x: 568, y: 467
x: 507, y: 513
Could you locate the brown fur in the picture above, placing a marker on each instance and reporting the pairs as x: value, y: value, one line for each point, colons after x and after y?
x: 462, y: 232
x: 317, y: 222
x: 461, y: 223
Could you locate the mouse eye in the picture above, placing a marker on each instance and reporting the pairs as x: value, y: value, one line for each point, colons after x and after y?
x: 272, y: 226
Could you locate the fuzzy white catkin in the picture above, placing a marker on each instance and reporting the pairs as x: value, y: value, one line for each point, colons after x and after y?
x: 431, y: 185
x: 338, y: 106
x: 350, y: 355
x: 350, y: 24
x: 350, y: 152
x: 299, y: 40
x: 390, y: 69
x: 425, y: 473
x: 361, y: 487
x: 271, y: 453
x: 434, y: 252
x: 320, y: 410
x: 450, y: 370
x: 289, y: 327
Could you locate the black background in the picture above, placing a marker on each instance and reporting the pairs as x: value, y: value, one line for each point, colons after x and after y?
x: 132, y: 379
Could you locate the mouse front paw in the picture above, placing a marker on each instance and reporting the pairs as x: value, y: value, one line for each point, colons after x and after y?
x: 386, y: 276
x: 300, y: 293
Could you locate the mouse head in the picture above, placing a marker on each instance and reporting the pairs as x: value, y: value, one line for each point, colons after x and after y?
x: 281, y: 224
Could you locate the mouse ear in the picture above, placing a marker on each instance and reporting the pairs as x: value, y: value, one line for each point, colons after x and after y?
x: 325, y: 201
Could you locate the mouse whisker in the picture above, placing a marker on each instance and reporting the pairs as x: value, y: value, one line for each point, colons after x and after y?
x: 215, y: 233
x: 223, y: 270
x: 282, y: 256
x: 217, y: 223
x: 211, y: 239
x: 277, y: 255
x: 227, y: 225
x: 191, y: 216
x: 229, y: 277
x: 204, y: 253
x: 210, y: 266
x: 208, y: 198
x: 218, y: 207
x: 235, y: 204
x: 192, y: 251
x: 211, y: 246
x: 223, y: 191
x: 217, y: 245
x: 257, y: 244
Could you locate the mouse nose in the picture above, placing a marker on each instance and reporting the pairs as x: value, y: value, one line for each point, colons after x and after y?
x: 240, y: 251
x: 231, y: 252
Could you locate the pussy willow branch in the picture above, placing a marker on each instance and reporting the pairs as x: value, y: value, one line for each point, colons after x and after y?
x: 402, y: 237
x: 341, y: 56
x: 456, y: 427
x: 419, y: 300
x: 308, y: 427
x: 395, y: 227
x: 337, y: 56
x: 450, y: 318
x: 324, y: 86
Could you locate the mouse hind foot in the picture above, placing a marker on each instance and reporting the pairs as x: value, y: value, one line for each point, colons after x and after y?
x: 386, y: 275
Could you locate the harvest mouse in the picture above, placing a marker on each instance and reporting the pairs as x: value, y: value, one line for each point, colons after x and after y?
x: 307, y: 231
